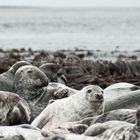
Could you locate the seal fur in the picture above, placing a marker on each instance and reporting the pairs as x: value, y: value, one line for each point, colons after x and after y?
x: 7, y: 78
x: 13, y: 109
x: 87, y: 102
x: 115, y: 130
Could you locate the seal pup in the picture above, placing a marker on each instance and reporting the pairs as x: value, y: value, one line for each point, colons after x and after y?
x: 87, y: 102
x: 118, y: 89
x: 13, y: 109
x: 54, y: 72
x: 7, y: 78
x: 115, y: 130
x: 20, y: 133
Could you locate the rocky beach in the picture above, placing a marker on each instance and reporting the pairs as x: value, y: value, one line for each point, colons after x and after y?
x: 82, y: 67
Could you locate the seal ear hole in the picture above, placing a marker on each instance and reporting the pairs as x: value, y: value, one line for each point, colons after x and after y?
x: 89, y: 90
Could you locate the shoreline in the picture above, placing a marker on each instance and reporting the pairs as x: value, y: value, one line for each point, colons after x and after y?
x: 82, y: 67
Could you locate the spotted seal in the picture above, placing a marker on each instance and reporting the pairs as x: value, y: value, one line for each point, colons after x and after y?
x: 7, y: 78
x: 13, y: 109
x: 115, y: 130
x: 87, y: 102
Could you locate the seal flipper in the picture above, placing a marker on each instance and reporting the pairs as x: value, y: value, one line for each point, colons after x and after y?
x: 78, y: 128
x: 138, y: 119
x: 61, y: 93
x: 41, y: 121
x: 95, y: 130
x: 23, y: 106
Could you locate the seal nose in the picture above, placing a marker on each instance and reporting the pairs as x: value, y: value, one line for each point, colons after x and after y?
x: 99, y: 96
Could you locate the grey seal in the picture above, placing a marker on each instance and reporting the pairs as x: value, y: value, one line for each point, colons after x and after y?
x: 33, y: 85
x: 88, y: 102
x: 127, y: 115
x: 21, y: 132
x: 54, y: 72
x: 28, y: 83
x: 7, y: 78
x: 13, y: 109
x: 118, y: 89
x: 116, y: 130
x: 72, y: 137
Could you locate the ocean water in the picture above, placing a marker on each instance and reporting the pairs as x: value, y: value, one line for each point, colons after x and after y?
x: 85, y: 28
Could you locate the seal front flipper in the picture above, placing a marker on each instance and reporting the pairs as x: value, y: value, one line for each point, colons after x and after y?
x: 41, y: 120
x: 138, y: 119
x: 95, y: 130
x: 23, y: 106
x: 61, y: 93
x: 78, y: 128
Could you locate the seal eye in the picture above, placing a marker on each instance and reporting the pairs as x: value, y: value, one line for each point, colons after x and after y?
x: 102, y: 92
x: 29, y: 71
x: 89, y: 91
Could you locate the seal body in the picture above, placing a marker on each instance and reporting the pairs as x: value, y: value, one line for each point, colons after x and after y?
x: 87, y: 102
x: 7, y: 78
x: 72, y: 137
x: 33, y: 85
x: 13, y: 109
x: 19, y: 133
x: 119, y: 89
x: 115, y: 130
x: 54, y: 72
x: 29, y: 83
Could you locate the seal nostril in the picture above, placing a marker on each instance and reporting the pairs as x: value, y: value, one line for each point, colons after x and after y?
x: 99, y: 96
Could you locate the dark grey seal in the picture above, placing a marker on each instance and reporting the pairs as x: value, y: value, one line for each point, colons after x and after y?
x: 13, y: 109
x: 33, y: 85
x: 116, y: 130
x: 28, y: 83
x: 7, y: 78
x: 54, y: 72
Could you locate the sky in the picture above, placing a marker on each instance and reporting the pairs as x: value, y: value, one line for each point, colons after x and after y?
x: 72, y: 3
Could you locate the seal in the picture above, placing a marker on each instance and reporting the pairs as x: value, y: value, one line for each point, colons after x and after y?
x: 7, y: 78
x: 127, y: 115
x: 13, y: 109
x: 20, y: 132
x: 118, y: 89
x: 71, y: 137
x: 116, y: 129
x: 28, y: 83
x: 75, y: 129
x: 38, y: 91
x: 54, y: 72
x: 88, y: 102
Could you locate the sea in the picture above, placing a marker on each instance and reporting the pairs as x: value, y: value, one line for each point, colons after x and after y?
x: 44, y: 28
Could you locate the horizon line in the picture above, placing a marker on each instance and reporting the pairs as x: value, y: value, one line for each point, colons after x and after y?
x: 68, y: 7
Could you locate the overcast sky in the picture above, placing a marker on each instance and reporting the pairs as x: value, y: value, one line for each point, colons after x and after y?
x: 73, y: 3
